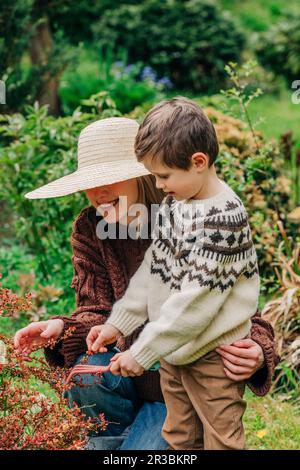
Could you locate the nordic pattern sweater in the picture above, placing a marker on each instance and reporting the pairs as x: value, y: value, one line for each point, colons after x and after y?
x: 198, y: 284
x: 102, y: 271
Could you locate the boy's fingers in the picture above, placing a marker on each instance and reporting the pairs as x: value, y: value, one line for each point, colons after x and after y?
x: 116, y: 356
x: 89, y: 342
x: 98, y: 343
x: 91, y: 337
x: 115, y: 368
x: 124, y: 373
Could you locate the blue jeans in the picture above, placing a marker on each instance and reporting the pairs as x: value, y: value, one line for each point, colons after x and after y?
x: 133, y: 424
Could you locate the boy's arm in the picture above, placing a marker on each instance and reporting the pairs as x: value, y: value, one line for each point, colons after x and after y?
x: 131, y: 311
x: 186, y: 314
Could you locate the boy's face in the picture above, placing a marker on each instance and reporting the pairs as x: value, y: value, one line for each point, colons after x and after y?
x: 182, y: 184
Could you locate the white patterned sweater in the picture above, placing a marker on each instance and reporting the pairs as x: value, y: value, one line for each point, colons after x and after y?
x: 198, y: 284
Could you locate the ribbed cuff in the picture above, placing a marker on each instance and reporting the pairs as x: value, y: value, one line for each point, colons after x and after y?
x: 124, y: 320
x: 75, y: 344
x: 260, y: 383
x: 67, y: 350
x: 145, y: 357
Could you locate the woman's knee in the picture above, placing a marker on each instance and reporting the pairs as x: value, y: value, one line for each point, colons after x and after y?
x: 97, y: 359
x: 86, y: 385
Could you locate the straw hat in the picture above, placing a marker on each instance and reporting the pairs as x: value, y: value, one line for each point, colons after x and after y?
x: 105, y: 156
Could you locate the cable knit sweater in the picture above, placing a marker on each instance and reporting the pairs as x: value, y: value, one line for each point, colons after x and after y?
x: 102, y: 270
x: 198, y: 284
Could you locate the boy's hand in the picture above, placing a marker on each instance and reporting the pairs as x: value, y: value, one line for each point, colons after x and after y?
x: 101, y: 335
x: 124, y: 364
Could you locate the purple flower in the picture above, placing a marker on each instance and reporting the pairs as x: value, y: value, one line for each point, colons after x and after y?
x: 165, y: 82
x: 129, y: 68
x: 119, y: 64
x: 148, y: 74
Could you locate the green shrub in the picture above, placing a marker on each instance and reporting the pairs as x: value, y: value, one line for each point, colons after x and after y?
x: 33, y: 56
x: 128, y: 85
x: 279, y: 48
x: 21, y: 273
x: 188, y: 41
x: 36, y: 148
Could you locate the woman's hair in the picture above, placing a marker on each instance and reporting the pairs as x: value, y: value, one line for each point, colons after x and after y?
x: 148, y: 193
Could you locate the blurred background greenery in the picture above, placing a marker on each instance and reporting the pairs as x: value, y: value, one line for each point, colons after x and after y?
x: 68, y: 63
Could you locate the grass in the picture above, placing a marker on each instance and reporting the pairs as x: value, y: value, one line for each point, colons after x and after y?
x: 272, y: 113
x: 271, y: 424
x: 258, y: 15
x: 279, y: 112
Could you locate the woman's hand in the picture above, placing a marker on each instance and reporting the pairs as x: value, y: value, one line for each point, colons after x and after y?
x: 241, y: 359
x: 101, y: 335
x: 36, y: 335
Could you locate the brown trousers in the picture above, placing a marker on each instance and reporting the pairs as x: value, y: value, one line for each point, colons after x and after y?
x: 204, y: 407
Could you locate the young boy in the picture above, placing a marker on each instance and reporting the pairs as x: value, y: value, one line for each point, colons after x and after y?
x: 198, y: 287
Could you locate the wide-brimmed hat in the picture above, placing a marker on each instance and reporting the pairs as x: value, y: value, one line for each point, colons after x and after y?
x: 105, y: 156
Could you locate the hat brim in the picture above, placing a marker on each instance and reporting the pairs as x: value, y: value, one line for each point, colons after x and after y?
x: 90, y: 177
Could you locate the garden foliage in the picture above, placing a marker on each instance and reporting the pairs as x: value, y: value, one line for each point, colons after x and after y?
x: 29, y: 420
x: 279, y: 48
x: 37, y: 148
x: 129, y: 85
x: 187, y: 41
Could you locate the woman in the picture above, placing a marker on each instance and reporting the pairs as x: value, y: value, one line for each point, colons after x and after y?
x: 105, y: 257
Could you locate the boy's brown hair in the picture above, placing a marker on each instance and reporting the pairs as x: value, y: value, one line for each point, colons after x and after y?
x: 175, y: 129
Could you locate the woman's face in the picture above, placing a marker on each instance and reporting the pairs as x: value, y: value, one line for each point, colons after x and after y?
x: 106, y: 199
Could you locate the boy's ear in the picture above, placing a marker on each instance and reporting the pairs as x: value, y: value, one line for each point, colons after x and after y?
x: 200, y: 160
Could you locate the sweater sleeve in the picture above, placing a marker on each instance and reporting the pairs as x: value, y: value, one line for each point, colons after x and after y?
x: 205, y: 286
x: 263, y: 334
x: 131, y: 311
x: 92, y: 289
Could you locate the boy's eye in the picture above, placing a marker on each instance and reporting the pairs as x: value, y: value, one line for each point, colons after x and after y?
x: 164, y: 177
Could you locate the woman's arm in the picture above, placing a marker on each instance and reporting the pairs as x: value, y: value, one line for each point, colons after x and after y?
x: 263, y: 334
x: 93, y: 291
x: 253, y: 359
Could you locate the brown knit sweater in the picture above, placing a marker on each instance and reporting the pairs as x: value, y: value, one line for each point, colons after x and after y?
x: 102, y: 270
